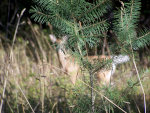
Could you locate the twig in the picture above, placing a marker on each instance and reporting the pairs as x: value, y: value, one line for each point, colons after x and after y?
x: 25, y: 97
x: 137, y: 72
x: 5, y: 83
x: 36, y: 106
x: 92, y: 92
x: 9, y: 106
x: 137, y: 107
x: 13, y: 17
x: 140, y: 83
x: 16, y: 30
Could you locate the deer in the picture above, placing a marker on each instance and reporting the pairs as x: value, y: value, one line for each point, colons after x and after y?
x: 72, y: 68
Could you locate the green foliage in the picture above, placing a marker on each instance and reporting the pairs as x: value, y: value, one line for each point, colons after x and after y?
x: 81, y: 21
x: 84, y: 23
x: 126, y: 23
x: 116, y: 95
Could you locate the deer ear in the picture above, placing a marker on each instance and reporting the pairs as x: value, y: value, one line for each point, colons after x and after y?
x: 52, y: 38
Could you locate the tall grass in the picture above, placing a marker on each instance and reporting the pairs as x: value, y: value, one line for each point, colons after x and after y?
x: 32, y: 80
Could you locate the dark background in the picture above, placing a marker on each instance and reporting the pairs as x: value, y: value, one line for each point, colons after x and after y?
x: 9, y: 9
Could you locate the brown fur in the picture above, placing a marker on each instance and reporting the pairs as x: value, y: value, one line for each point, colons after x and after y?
x: 72, y: 68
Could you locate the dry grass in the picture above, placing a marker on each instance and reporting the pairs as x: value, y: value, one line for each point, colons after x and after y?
x: 31, y: 80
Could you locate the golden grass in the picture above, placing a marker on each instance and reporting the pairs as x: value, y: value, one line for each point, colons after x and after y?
x: 32, y: 81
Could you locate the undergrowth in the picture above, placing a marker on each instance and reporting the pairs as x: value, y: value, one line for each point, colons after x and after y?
x: 33, y: 81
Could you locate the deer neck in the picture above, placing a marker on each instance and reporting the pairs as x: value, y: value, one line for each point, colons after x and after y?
x: 113, y: 69
x: 62, y: 58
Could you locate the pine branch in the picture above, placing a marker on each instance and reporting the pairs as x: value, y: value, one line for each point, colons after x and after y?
x: 143, y: 36
x: 93, y: 8
x: 93, y: 25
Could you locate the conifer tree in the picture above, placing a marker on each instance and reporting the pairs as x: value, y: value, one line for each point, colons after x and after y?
x: 81, y: 21
x: 85, y: 23
x: 126, y: 25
